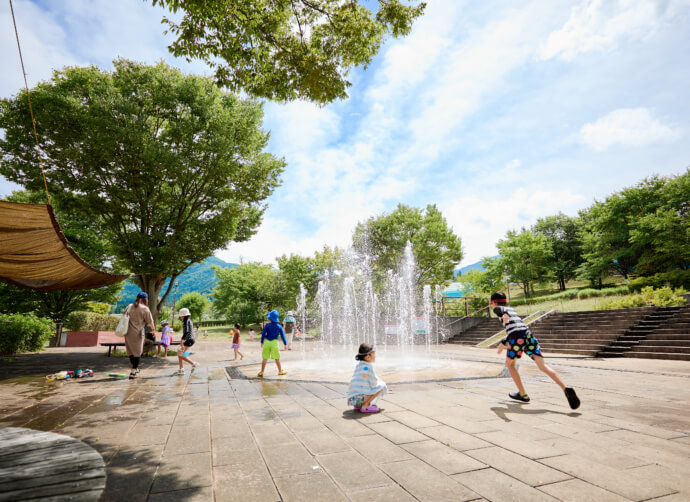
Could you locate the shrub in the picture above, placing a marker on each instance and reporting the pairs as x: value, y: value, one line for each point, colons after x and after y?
x: 662, y: 297
x: 90, y: 321
x: 674, y: 279
x: 99, y: 308
x: 24, y: 333
x: 598, y: 293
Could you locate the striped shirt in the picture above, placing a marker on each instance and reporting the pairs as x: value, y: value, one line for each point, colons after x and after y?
x: 364, y: 381
x: 514, y: 323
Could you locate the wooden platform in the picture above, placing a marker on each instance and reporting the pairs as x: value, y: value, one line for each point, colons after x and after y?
x: 36, y: 465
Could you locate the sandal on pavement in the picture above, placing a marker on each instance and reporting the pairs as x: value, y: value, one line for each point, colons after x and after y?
x: 372, y: 408
x: 516, y: 395
x: 260, y: 374
x: 132, y: 375
x: 282, y: 373
x: 573, y: 400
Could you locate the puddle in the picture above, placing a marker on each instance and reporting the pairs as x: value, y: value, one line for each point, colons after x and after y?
x: 38, y: 387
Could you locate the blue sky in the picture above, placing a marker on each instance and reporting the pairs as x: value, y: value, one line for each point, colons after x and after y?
x: 498, y: 113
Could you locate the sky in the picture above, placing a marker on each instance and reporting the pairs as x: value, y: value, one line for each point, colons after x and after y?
x: 498, y: 112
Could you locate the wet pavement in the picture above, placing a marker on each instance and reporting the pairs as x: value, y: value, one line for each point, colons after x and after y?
x: 447, y: 431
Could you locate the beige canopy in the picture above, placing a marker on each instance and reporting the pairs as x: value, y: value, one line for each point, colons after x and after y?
x: 34, y: 252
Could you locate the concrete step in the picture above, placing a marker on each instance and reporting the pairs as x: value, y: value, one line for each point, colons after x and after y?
x: 658, y: 355
x: 661, y: 348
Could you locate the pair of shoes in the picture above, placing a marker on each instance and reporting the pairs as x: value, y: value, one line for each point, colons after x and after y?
x: 282, y: 373
x: 516, y: 395
x: 573, y: 400
x: 260, y: 374
x: 179, y: 372
x: 372, y: 408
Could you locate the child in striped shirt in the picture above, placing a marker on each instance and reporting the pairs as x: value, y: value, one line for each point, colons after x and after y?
x: 519, y: 340
x: 365, y: 387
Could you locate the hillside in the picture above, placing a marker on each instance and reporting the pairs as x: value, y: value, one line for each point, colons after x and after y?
x: 199, y: 277
x: 467, y: 268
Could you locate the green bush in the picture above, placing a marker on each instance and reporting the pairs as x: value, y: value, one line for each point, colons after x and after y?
x: 674, y: 279
x: 598, y: 293
x: 99, y: 308
x: 662, y: 297
x: 24, y: 333
x: 90, y: 321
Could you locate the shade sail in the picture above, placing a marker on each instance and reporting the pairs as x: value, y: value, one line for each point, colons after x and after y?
x: 34, y: 252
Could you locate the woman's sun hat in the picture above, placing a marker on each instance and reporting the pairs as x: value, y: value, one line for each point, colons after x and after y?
x: 183, y: 312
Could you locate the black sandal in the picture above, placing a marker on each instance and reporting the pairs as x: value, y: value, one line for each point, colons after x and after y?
x: 516, y: 395
x: 573, y: 400
x: 133, y: 374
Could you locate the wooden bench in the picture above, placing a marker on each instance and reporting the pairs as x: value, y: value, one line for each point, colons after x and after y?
x: 110, y: 345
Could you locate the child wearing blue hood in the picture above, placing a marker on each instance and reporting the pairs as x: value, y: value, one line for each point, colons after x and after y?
x: 269, y: 342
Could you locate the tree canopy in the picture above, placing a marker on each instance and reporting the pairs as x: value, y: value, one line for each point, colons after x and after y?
x: 172, y: 166
x: 286, y: 49
x: 436, y: 248
x: 197, y: 304
x: 562, y: 235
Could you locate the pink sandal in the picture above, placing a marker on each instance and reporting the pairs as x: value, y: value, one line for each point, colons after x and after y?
x: 370, y: 409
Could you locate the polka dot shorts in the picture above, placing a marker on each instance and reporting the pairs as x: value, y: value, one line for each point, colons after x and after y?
x: 523, y: 343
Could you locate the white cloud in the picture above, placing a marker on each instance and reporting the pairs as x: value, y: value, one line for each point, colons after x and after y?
x: 600, y: 25
x: 628, y: 127
x: 482, y: 219
x: 513, y: 164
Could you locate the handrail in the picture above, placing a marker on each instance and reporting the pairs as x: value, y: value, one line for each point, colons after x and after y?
x: 491, y: 340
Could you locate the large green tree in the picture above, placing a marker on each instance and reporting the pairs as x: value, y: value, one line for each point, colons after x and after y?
x: 296, y: 270
x: 173, y: 167
x: 607, y: 225
x: 85, y: 236
x: 286, y: 49
x: 524, y: 256
x: 197, y: 304
x: 245, y: 293
x: 436, y: 248
x: 562, y: 234
x: 663, y: 235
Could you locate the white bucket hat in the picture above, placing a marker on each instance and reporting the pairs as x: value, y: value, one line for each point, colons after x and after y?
x: 183, y: 312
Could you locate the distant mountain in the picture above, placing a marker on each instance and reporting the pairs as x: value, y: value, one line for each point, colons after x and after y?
x: 199, y: 277
x: 467, y: 268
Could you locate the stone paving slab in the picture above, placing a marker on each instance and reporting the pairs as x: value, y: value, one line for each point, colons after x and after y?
x: 206, y: 436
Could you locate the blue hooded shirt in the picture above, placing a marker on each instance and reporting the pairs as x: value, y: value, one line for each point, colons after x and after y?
x: 273, y: 330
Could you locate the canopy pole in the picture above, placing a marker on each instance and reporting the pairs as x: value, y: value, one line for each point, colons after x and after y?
x: 28, y: 96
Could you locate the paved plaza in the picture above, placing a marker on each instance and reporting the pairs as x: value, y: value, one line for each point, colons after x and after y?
x: 444, y: 433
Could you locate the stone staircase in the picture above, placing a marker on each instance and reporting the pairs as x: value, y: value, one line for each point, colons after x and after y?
x: 664, y: 334
x: 486, y: 328
x: 585, y: 333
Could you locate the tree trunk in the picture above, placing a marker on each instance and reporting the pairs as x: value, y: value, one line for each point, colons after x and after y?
x: 561, y: 283
x: 151, y: 285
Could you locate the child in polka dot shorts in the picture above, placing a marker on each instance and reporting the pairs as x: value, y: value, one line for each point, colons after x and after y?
x: 518, y: 341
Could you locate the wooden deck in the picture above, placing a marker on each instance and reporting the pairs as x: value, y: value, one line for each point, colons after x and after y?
x: 40, y: 465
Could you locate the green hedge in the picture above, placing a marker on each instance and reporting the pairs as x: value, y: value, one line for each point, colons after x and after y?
x: 571, y: 294
x: 661, y: 297
x: 24, y: 333
x: 90, y: 321
x: 674, y: 279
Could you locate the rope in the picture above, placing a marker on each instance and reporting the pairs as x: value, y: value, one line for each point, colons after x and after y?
x: 28, y: 96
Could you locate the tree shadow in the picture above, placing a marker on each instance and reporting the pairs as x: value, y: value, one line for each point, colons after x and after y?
x: 521, y: 409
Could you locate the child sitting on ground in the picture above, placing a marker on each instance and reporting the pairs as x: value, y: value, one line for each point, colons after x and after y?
x: 365, y: 386
x: 269, y: 342
x: 519, y: 339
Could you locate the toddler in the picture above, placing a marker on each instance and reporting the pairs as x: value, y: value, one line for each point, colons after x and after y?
x: 236, y: 341
x: 365, y: 386
x: 166, y: 339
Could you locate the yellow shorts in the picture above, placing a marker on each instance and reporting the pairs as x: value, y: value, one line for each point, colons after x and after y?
x: 270, y: 350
